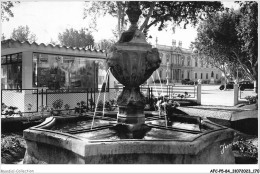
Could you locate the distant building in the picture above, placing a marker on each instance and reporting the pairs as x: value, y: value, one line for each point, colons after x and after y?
x: 179, y: 63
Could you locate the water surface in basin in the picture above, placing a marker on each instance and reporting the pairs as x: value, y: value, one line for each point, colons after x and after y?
x: 79, y: 125
x: 104, y: 129
x: 153, y: 134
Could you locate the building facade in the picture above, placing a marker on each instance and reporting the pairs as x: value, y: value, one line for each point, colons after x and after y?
x: 179, y: 64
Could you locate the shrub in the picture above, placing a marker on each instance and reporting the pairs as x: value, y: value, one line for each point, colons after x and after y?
x: 57, y: 104
x: 251, y: 99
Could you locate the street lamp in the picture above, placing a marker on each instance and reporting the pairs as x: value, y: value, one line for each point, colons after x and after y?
x: 167, y: 71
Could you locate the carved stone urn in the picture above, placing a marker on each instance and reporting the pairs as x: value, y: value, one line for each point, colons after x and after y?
x: 132, y: 61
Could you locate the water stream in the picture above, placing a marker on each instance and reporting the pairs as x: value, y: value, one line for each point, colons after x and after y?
x: 165, y: 117
x: 95, y: 111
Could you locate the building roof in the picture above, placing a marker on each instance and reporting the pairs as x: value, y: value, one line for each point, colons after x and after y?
x: 173, y: 49
x: 10, y: 43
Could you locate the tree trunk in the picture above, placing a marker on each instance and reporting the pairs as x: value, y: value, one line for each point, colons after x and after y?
x: 119, y: 14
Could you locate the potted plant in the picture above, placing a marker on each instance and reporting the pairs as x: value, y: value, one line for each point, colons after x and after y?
x: 12, y: 111
x: 57, y: 105
x: 67, y: 107
x: 44, y: 109
x: 29, y: 106
x: 81, y: 107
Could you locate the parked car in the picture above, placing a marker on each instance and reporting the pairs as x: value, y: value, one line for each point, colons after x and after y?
x: 246, y: 85
x: 229, y: 85
x: 188, y: 82
x: 242, y: 85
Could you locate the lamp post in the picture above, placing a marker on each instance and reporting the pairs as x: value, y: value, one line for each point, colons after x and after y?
x: 167, y: 73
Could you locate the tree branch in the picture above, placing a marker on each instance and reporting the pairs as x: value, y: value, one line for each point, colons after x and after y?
x: 244, y: 67
x: 144, y: 25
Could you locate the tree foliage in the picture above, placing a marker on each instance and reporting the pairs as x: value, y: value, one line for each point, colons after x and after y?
x: 248, y: 35
x: 6, y: 10
x: 155, y: 13
x: 76, y: 38
x: 22, y: 34
x: 229, y: 39
x: 105, y: 44
x: 96, y: 9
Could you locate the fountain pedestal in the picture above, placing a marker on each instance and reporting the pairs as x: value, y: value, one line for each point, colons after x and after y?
x: 131, y: 108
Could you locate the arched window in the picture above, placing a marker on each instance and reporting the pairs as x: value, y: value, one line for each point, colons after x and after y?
x: 188, y: 61
x: 212, y: 74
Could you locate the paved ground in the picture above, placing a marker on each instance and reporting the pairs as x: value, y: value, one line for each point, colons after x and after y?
x: 211, y: 95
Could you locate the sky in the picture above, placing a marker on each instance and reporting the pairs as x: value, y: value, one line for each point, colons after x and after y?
x: 46, y: 19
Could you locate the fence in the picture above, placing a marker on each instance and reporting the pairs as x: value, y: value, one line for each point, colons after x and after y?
x: 186, y: 91
x: 29, y: 100
x: 248, y: 92
x: 26, y: 100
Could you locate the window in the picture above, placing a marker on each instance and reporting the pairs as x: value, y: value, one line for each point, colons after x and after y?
x: 195, y: 75
x: 11, y: 71
x: 183, y: 59
x: 212, y: 74
x: 196, y: 62
x: 168, y: 58
x: 59, y: 72
x: 216, y: 76
x: 201, y: 75
x: 179, y: 59
x: 201, y: 63
x: 182, y: 74
x: 188, y: 61
x: 188, y: 75
x: 207, y: 76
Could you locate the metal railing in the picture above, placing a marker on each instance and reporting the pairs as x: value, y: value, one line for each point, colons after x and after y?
x: 248, y: 92
x: 30, y: 100
x: 187, y: 91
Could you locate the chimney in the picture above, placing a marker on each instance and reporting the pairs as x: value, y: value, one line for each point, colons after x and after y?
x: 180, y: 44
x: 173, y: 42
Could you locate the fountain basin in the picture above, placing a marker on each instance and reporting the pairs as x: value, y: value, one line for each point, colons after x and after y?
x: 47, y: 143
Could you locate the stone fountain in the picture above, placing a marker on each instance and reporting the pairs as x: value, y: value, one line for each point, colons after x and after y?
x: 134, y: 137
x: 132, y: 61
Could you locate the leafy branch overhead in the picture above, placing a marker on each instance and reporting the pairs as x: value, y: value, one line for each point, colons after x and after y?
x: 6, y: 11
x: 155, y: 13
